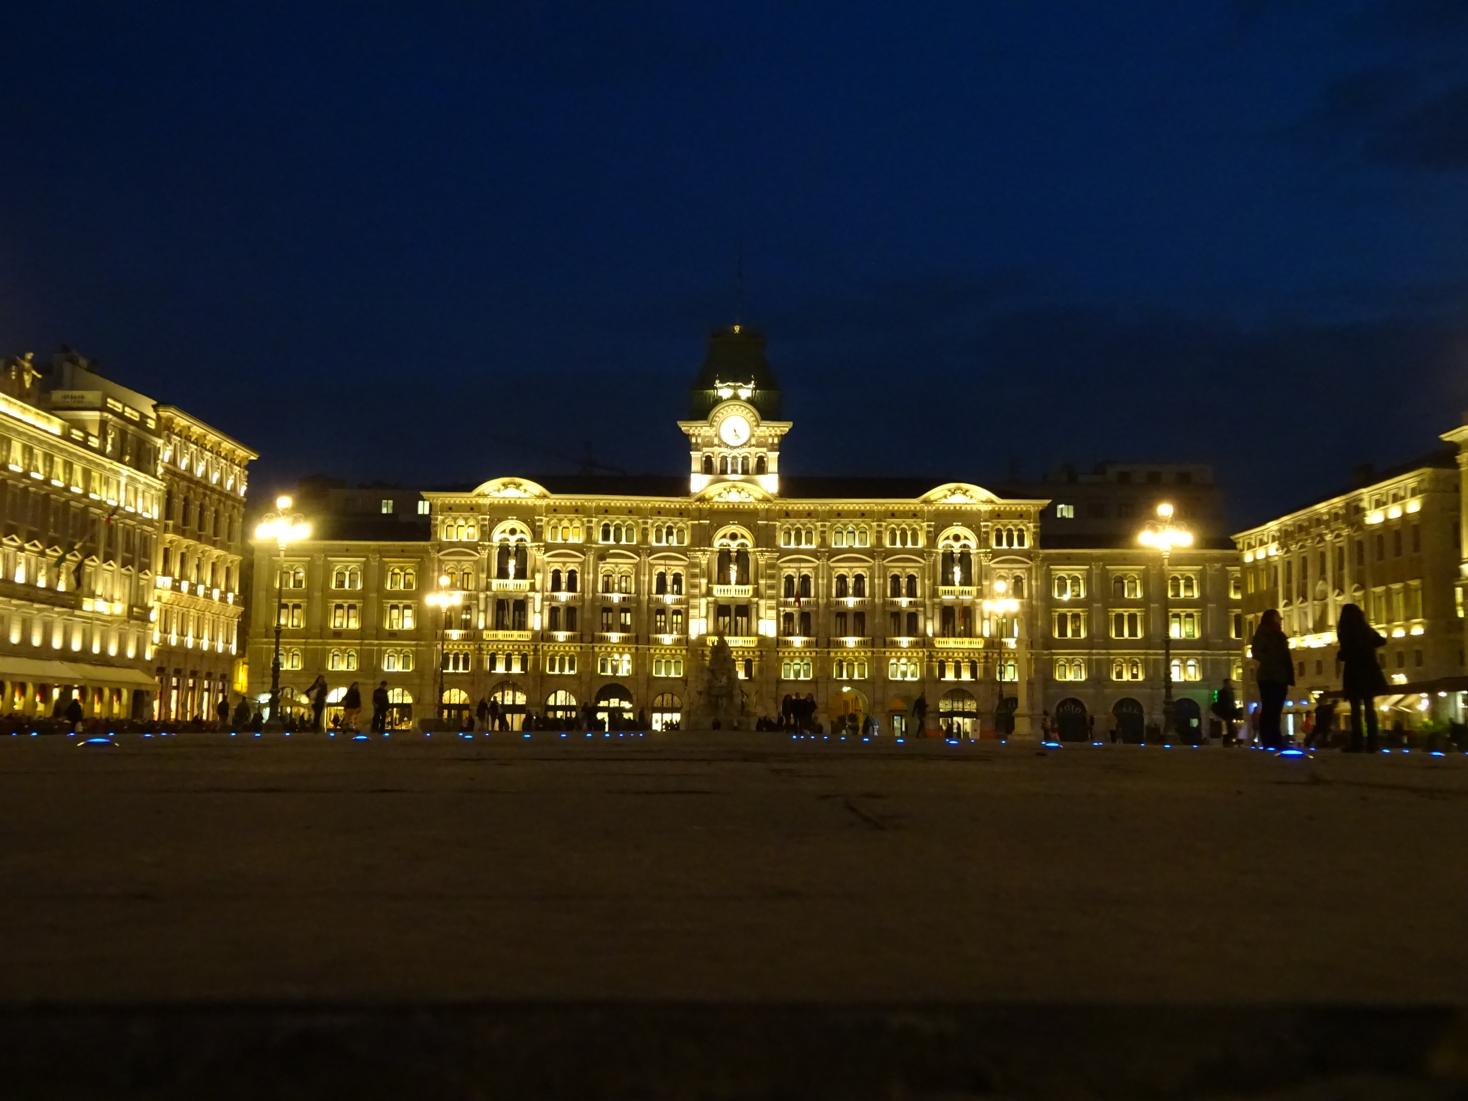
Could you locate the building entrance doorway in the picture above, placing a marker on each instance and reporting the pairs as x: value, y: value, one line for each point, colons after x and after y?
x: 1187, y: 720
x: 850, y: 711
x: 958, y: 714
x: 667, y: 712
x: 1130, y: 719
x: 1072, y: 722
x: 456, y: 708
x: 614, y: 707
x: 511, y: 700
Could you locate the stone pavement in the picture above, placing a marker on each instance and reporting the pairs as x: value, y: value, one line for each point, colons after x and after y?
x: 729, y: 874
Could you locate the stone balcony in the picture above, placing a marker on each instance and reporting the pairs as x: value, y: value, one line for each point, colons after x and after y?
x: 733, y: 592
x: 503, y: 635
x: 958, y: 592
x: 509, y: 585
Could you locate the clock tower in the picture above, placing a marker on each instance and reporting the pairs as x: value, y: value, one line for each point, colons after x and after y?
x: 734, y: 434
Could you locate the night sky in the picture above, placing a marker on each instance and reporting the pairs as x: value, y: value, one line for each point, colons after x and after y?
x: 437, y: 243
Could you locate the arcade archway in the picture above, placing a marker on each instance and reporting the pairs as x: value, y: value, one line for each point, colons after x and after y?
x: 614, y: 706
x: 1130, y: 719
x: 958, y: 713
x: 1072, y: 721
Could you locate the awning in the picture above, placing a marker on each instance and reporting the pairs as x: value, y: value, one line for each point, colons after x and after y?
x: 1457, y: 683
x: 32, y: 669
x: 111, y: 676
x: 35, y: 671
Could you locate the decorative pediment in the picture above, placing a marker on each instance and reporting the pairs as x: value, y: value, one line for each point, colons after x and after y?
x: 958, y: 493
x: 510, y: 489
x: 734, y: 493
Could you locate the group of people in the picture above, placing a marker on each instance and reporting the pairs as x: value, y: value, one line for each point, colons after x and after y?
x: 797, y: 715
x: 1362, y: 679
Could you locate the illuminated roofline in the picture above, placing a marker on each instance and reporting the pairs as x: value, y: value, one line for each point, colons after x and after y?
x: 1345, y: 498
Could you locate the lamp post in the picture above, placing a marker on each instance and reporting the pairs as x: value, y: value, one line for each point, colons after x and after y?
x: 1162, y: 535
x: 443, y: 598
x: 1000, y: 603
x: 283, y: 528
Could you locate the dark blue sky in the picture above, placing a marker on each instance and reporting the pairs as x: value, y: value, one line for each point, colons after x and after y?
x: 444, y: 242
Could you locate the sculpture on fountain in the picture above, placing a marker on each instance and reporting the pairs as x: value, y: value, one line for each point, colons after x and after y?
x: 721, y: 702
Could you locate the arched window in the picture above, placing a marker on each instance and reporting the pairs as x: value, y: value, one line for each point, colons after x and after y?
x: 708, y: 464
x: 788, y: 587
x: 555, y: 581
x: 894, y: 584
x: 805, y: 586
x: 606, y: 531
x: 677, y: 582
x: 760, y: 466
x: 841, y: 585
x: 912, y: 584
x: 660, y: 583
x: 859, y: 584
x: 570, y: 581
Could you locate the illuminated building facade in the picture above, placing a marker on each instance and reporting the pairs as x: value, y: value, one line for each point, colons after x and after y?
x: 83, y: 490
x: 199, y: 607
x: 607, y: 593
x: 1393, y: 546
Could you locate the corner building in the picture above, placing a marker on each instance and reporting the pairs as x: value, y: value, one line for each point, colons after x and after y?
x: 865, y: 593
x: 1392, y: 544
x: 99, y: 485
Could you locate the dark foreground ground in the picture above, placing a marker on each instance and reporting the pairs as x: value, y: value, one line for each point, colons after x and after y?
x: 712, y: 916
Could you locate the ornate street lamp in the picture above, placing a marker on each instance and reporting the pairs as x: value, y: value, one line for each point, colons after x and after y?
x: 443, y: 598
x: 282, y: 528
x: 1162, y: 535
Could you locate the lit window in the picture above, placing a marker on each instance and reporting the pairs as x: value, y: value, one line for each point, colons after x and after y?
x: 387, y: 506
x: 1126, y: 625
x: 1065, y: 512
x: 423, y: 508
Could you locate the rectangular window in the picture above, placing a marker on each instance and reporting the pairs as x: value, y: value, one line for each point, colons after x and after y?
x: 386, y: 506
x: 423, y: 508
x: 1070, y: 624
x: 1126, y: 624
x: 1183, y: 625
x: 399, y: 617
x: 1065, y: 512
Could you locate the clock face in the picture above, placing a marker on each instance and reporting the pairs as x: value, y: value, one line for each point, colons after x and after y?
x: 734, y: 430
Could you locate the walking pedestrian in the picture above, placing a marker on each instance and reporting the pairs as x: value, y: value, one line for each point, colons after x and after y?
x: 481, y: 713
x: 74, y: 714
x: 242, y: 714
x: 222, y: 710
x: 1361, y: 677
x: 352, y: 707
x: 379, y: 708
x: 1324, y: 725
x: 317, y: 695
x: 1271, y: 650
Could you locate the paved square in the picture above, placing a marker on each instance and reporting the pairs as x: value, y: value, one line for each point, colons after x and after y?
x: 725, y: 869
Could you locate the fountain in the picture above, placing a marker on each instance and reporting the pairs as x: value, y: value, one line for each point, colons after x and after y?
x: 721, y: 702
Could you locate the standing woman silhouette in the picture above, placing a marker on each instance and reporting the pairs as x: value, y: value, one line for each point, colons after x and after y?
x: 1361, y: 677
